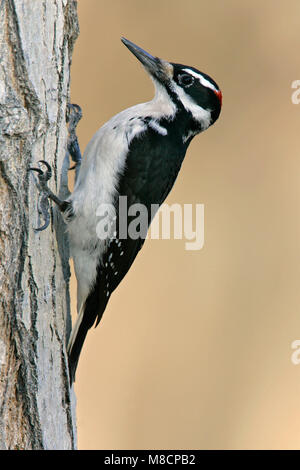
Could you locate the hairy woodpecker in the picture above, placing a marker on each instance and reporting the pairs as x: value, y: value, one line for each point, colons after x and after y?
x: 138, y: 154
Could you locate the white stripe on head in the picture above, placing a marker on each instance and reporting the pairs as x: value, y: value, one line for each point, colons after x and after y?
x: 199, y: 114
x: 202, y: 80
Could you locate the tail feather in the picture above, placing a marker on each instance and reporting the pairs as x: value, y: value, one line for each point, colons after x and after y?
x: 91, y: 310
x: 75, y: 344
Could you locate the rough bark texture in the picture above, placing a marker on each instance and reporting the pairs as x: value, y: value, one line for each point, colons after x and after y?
x: 36, y: 405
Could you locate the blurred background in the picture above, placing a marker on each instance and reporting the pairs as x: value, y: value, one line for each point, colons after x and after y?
x: 194, y: 350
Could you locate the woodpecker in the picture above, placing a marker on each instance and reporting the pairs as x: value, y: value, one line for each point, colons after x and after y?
x: 138, y: 154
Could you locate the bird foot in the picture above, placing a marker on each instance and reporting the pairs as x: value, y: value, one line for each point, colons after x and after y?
x: 74, y: 114
x: 46, y: 194
x: 73, y: 117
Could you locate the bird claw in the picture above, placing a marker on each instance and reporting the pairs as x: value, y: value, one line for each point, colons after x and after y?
x: 43, y: 201
x: 74, y: 114
x: 43, y: 176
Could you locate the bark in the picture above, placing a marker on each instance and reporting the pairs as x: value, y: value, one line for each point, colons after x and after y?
x: 36, y: 404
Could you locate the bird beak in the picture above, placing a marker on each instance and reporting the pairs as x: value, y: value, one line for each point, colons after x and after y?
x: 158, y: 68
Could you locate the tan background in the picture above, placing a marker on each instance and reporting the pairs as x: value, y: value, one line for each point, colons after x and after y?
x: 195, y: 347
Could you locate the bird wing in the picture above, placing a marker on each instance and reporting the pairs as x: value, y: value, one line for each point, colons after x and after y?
x: 150, y: 172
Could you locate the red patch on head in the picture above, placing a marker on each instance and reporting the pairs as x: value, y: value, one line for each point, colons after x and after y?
x: 219, y: 95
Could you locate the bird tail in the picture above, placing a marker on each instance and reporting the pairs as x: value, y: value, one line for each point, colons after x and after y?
x: 91, y: 311
x: 75, y: 343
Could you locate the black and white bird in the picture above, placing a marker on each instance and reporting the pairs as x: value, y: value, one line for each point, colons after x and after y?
x: 138, y: 154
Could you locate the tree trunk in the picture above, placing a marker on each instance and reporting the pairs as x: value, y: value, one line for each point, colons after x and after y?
x: 36, y: 404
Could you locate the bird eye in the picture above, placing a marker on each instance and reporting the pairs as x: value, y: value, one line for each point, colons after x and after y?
x: 185, y: 79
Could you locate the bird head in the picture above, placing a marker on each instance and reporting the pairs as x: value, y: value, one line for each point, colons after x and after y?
x: 195, y: 91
